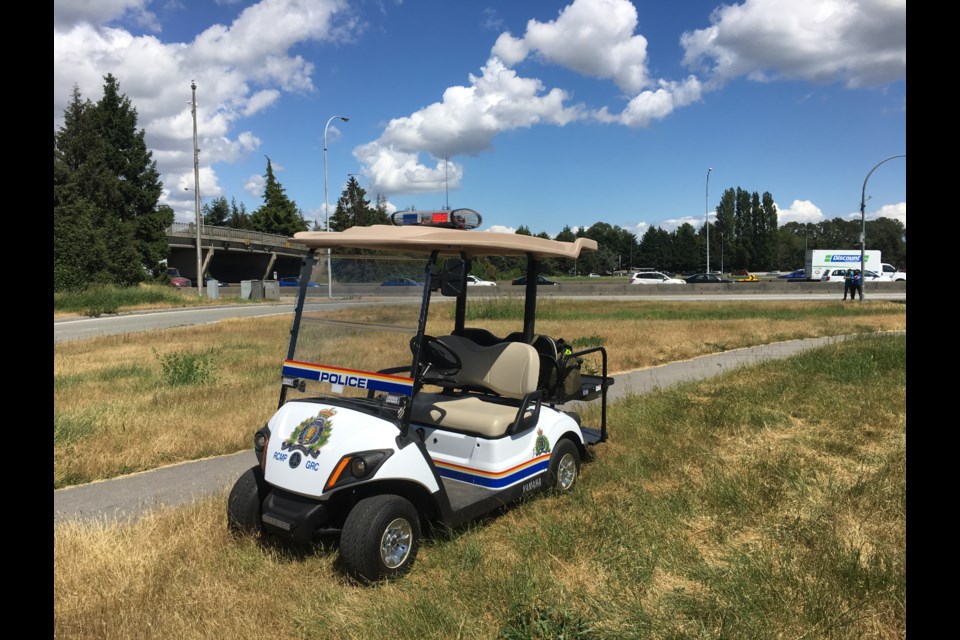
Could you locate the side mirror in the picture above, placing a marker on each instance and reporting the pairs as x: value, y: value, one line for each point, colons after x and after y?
x: 452, y: 277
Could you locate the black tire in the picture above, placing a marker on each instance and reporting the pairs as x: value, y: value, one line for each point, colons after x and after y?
x: 245, y: 503
x: 564, y: 465
x: 380, y: 538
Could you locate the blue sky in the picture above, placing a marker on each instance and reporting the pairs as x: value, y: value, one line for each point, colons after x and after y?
x: 538, y: 113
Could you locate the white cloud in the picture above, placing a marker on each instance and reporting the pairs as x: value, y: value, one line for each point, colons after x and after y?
x: 654, y: 105
x: 465, y: 122
x: 67, y: 12
x: 254, y: 185
x: 592, y: 37
x: 896, y: 211
x: 240, y: 69
x: 858, y: 42
x: 499, y: 228
x: 802, y: 211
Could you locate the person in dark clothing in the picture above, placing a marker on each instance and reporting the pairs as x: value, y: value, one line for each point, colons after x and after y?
x: 856, y: 284
x: 847, y: 277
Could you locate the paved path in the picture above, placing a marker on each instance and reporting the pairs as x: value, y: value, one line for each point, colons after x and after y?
x: 128, y: 496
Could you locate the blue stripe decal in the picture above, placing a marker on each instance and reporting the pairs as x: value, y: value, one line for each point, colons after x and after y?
x: 494, y: 483
x: 346, y: 379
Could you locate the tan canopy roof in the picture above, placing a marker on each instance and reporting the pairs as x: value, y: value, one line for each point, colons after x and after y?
x: 425, y: 239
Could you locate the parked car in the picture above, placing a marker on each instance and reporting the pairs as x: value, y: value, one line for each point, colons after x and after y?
x: 295, y: 282
x: 540, y: 280
x: 474, y: 281
x: 176, y: 279
x: 707, y: 278
x: 401, y: 282
x: 654, y: 277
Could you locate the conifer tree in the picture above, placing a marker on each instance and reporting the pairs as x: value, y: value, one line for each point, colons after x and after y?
x: 278, y: 214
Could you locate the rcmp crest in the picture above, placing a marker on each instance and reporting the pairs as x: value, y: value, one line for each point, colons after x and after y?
x: 311, y: 434
x: 542, y: 444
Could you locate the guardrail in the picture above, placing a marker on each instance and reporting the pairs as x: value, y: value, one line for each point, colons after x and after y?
x: 229, y: 233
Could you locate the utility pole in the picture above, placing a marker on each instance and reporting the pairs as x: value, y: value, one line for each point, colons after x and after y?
x: 706, y: 216
x: 196, y: 185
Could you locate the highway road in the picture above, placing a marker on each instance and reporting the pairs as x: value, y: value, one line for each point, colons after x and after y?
x: 79, y: 328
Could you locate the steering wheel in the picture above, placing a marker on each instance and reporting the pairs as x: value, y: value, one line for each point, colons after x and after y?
x: 437, y: 355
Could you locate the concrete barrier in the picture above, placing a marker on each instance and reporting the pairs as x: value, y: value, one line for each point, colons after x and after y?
x: 618, y: 288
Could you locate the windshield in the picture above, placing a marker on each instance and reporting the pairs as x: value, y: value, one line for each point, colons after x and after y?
x: 358, y: 352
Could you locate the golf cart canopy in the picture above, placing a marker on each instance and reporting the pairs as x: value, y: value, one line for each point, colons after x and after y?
x: 427, y: 239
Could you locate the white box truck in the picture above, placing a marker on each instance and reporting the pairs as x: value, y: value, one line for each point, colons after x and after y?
x: 820, y: 260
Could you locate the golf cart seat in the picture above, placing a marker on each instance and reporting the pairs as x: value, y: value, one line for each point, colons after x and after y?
x: 554, y: 369
x: 485, y: 397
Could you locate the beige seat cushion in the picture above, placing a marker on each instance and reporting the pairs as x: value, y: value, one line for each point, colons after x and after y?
x: 470, y: 413
x: 508, y: 369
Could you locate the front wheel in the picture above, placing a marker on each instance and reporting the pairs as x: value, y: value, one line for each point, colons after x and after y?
x: 380, y: 538
x: 245, y: 503
x: 564, y: 465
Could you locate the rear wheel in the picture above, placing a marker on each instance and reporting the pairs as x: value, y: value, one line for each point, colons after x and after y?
x: 380, y: 538
x: 564, y: 465
x: 245, y: 503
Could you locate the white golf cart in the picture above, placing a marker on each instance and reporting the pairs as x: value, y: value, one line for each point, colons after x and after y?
x: 383, y: 430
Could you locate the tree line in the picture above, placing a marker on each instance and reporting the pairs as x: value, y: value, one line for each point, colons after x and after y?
x: 109, y: 227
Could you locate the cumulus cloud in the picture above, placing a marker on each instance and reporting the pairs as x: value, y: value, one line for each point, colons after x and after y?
x: 802, y: 211
x: 592, y: 37
x: 857, y: 42
x: 67, y: 12
x: 254, y: 185
x: 654, y: 104
x: 240, y: 69
x: 499, y: 228
x: 896, y: 211
x: 464, y: 122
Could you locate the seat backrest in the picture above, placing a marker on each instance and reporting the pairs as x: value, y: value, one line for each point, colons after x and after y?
x: 509, y: 369
x: 547, y: 353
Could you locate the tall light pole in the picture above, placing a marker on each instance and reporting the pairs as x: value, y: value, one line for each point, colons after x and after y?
x: 196, y: 184
x: 326, y: 206
x: 863, y: 217
x: 706, y: 216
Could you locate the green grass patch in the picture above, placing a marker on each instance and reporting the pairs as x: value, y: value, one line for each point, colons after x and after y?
x: 100, y: 299
x: 181, y: 368
x: 68, y: 429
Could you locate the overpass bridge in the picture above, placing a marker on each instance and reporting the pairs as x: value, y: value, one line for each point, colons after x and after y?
x: 232, y: 255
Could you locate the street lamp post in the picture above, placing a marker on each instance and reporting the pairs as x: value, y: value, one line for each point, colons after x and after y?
x: 706, y: 216
x: 196, y: 185
x: 326, y: 206
x: 863, y: 217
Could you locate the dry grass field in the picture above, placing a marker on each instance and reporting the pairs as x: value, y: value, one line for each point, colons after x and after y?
x: 118, y: 409
x: 743, y: 507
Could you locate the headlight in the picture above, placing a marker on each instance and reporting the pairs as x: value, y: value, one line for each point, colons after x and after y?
x: 261, y: 440
x: 356, y: 467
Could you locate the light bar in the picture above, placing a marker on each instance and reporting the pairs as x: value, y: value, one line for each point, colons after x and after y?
x: 445, y: 218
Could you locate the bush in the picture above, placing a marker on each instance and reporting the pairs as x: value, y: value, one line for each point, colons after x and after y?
x: 181, y: 368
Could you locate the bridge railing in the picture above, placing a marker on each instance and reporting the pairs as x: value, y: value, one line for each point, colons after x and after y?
x: 210, y: 231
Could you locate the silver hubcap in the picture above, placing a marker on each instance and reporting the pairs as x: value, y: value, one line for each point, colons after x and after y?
x: 395, y: 543
x: 566, y: 472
